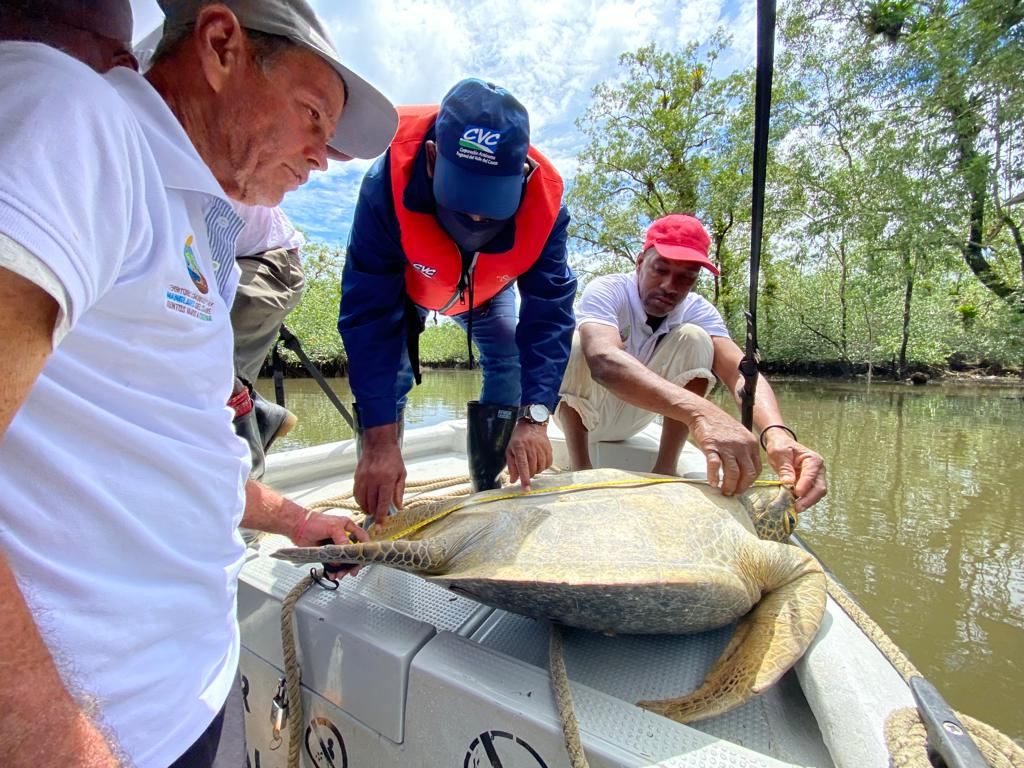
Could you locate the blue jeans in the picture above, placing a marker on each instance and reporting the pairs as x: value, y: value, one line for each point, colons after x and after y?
x: 494, y: 331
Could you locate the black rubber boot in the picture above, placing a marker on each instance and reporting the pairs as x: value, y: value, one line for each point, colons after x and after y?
x: 273, y: 420
x: 246, y: 427
x: 488, y: 430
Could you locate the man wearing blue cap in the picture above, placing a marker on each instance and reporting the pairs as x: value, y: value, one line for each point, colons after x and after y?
x: 459, y: 208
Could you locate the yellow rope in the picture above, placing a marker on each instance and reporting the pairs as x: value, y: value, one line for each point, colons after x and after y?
x: 571, y: 488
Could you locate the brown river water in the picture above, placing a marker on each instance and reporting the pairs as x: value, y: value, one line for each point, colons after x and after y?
x: 923, y: 523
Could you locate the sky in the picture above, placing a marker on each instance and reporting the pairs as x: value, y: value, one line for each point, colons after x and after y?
x: 549, y: 53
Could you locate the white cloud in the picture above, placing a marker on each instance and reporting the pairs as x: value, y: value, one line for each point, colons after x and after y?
x: 549, y: 54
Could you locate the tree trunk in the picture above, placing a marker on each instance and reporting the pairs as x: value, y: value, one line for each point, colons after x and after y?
x: 908, y: 293
x: 966, y: 125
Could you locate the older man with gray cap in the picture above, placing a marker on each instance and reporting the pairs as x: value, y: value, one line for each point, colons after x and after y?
x: 123, y: 484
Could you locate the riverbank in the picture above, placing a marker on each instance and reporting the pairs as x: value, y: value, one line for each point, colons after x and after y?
x: 832, y: 370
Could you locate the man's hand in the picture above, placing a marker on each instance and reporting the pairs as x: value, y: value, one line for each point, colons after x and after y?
x: 316, y: 529
x: 797, y: 465
x: 729, y: 448
x: 380, y: 473
x: 529, y: 452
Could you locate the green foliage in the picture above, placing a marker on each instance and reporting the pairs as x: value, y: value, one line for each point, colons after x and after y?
x: 895, y: 201
x: 444, y: 344
x: 669, y: 137
x: 315, y: 320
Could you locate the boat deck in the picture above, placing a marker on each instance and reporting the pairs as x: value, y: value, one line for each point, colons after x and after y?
x: 400, y: 672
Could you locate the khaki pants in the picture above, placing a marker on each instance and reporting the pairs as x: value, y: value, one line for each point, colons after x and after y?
x: 686, y: 353
x: 270, y: 287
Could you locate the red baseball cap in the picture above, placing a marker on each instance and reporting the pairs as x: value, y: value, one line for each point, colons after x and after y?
x: 680, y: 237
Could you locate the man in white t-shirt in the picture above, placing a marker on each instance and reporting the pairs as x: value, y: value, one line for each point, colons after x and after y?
x: 122, y: 484
x: 645, y: 345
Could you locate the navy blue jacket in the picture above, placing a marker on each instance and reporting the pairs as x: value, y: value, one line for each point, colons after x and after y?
x: 371, y: 318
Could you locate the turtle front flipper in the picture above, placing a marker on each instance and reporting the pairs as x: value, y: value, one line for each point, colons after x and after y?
x: 767, y: 641
x: 428, y: 556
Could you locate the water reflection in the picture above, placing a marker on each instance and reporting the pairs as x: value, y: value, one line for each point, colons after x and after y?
x: 923, y: 521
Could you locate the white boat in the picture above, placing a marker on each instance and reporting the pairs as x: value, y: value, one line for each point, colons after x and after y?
x: 400, y: 672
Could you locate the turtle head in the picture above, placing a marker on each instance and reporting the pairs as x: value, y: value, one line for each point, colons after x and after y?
x: 771, y: 510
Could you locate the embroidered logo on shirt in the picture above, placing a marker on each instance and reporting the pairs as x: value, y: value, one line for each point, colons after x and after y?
x: 192, y: 266
x: 425, y: 270
x: 186, y: 300
x: 624, y: 333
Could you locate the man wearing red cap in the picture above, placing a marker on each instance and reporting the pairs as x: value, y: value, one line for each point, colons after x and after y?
x: 646, y: 345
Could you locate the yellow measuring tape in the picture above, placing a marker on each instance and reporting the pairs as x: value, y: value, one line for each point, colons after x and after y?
x: 572, y: 488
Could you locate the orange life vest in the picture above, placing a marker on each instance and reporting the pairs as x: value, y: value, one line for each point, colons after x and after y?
x: 434, y: 264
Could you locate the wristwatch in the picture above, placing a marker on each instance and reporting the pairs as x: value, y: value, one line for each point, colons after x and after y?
x: 536, y: 413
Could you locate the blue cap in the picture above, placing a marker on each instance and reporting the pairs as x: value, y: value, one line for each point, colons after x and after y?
x: 483, y: 134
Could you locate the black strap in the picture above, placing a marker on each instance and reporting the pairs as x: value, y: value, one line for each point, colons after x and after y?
x: 277, y: 366
x: 289, y: 340
x: 414, y: 325
x: 469, y: 322
x: 762, y: 111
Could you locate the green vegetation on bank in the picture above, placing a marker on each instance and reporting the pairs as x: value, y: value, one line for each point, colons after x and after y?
x: 894, y: 222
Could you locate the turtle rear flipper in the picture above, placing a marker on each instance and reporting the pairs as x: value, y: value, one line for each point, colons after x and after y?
x: 427, y: 556
x: 767, y: 642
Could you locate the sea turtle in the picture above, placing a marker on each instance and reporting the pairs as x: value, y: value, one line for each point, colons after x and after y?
x: 622, y: 552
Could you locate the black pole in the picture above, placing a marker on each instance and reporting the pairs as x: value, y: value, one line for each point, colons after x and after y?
x: 762, y: 111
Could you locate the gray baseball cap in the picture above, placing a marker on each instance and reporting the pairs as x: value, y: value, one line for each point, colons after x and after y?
x: 369, y: 120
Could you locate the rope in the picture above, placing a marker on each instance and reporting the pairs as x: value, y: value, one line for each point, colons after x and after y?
x: 563, y: 698
x: 907, y: 738
x: 905, y: 734
x: 292, y: 674
x: 347, y: 501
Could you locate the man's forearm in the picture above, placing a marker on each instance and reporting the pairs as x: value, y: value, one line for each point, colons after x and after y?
x: 34, y: 703
x: 267, y: 510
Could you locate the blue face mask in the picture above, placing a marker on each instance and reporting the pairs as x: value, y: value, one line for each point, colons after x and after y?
x: 468, y: 234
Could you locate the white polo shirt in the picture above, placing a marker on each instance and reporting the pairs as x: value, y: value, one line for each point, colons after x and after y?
x: 121, y: 480
x: 266, y: 228
x: 614, y: 300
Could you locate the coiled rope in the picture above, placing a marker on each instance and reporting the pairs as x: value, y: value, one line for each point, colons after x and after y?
x: 905, y: 734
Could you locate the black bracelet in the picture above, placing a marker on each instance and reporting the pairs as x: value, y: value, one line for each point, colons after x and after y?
x: 764, y: 431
